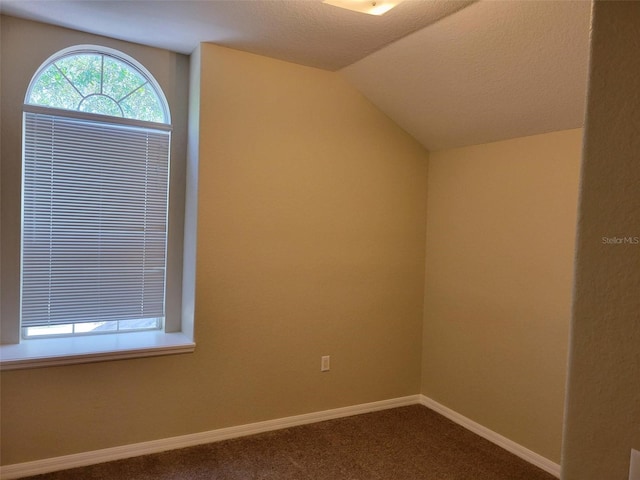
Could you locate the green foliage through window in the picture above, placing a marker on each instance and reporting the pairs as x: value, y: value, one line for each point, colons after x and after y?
x: 97, y: 83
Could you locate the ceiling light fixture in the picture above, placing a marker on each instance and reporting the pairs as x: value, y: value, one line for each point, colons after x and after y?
x: 372, y: 7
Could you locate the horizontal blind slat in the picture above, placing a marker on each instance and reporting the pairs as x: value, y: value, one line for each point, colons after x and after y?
x: 94, y: 221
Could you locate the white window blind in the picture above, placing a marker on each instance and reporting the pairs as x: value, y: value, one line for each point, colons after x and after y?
x: 94, y: 234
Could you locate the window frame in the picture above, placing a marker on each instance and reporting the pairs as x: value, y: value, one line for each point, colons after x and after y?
x: 177, y: 336
x: 104, y: 51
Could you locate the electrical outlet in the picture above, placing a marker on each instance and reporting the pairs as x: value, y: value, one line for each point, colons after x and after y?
x: 634, y: 468
x: 325, y: 363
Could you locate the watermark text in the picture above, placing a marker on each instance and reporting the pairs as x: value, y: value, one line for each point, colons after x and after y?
x: 621, y: 240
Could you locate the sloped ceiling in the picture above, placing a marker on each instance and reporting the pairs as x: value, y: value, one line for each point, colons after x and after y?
x: 491, y: 71
x: 451, y: 73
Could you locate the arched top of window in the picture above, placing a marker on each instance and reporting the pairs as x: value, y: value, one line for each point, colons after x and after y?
x: 100, y: 81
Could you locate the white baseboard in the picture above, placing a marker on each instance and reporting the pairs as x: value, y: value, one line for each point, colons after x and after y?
x: 509, y: 445
x: 37, y: 467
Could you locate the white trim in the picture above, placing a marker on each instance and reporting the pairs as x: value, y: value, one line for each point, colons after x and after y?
x: 48, y: 352
x: 509, y: 445
x: 97, y: 117
x: 37, y: 467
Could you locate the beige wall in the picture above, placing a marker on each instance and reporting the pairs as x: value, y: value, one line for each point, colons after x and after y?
x: 310, y: 240
x: 311, y: 213
x: 603, y: 401
x: 500, y: 241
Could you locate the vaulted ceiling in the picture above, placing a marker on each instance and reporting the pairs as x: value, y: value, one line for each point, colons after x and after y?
x: 451, y: 73
x: 492, y: 71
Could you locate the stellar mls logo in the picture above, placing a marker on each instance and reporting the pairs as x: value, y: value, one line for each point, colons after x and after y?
x: 620, y: 240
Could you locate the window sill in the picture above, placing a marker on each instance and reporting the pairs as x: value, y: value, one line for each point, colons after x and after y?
x: 98, y: 348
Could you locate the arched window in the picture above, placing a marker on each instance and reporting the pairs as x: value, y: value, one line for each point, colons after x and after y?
x: 95, y: 196
x: 102, y: 81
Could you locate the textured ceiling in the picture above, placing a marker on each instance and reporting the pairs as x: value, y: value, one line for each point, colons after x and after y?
x: 451, y: 73
x: 307, y: 32
x: 491, y: 71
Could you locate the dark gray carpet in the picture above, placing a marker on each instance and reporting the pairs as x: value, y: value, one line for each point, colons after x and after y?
x: 406, y: 443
